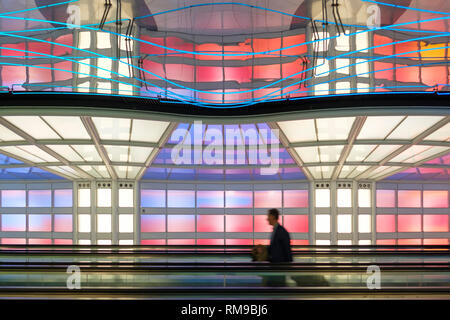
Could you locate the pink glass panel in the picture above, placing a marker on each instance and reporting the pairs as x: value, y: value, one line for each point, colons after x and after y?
x: 40, y: 222
x: 409, y: 199
x: 385, y: 198
x: 239, y: 242
x: 268, y: 199
x: 239, y: 223
x: 296, y: 223
x: 261, y: 224
x: 63, y: 223
x: 210, y: 242
x: 385, y: 223
x: 210, y: 199
x: 153, y: 223
x: 435, y: 199
x: 153, y: 242
x: 409, y: 223
x: 210, y: 223
x: 262, y: 241
x: 181, y: 242
x: 180, y: 223
x: 295, y: 198
x: 436, y: 242
x: 409, y: 241
x: 39, y: 241
x: 239, y: 199
x: 299, y: 242
x: 13, y: 241
x: 435, y: 223
x: 386, y: 242
x: 62, y: 241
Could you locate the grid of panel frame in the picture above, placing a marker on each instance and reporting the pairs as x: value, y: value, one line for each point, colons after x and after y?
x: 412, y: 214
x: 36, y: 213
x: 233, y: 214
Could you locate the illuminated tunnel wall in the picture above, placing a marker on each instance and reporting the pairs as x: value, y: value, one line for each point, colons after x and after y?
x: 217, y: 214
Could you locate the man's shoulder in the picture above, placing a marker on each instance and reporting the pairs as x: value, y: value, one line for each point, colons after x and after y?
x: 282, y: 229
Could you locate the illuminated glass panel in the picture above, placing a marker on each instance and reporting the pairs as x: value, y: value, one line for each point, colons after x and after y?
x: 261, y: 224
x: 364, y: 223
x: 13, y: 198
x: 409, y: 199
x: 13, y: 222
x: 84, y: 198
x: 435, y: 223
x: 181, y: 198
x: 323, y: 223
x: 126, y: 242
x: 239, y: 223
x: 364, y: 242
x: 210, y: 199
x: 84, y: 223
x: 104, y: 242
x: 84, y: 242
x: 153, y: 242
x: 435, y: 199
x: 63, y: 223
x: 322, y: 198
x: 13, y: 241
x: 410, y: 242
x: 104, y: 198
x: 299, y: 242
x: 385, y: 198
x: 153, y: 223
x: 364, y: 200
x: 344, y: 198
x: 238, y: 242
x: 239, y: 199
x: 386, y: 242
x: 323, y: 242
x: 40, y: 222
x: 63, y: 241
x: 181, y: 242
x: 344, y: 242
x: 344, y: 223
x: 40, y: 241
x: 126, y: 223
x: 39, y: 198
x: 296, y: 223
x: 180, y: 223
x: 153, y: 198
x: 435, y: 242
x: 385, y: 223
x: 210, y: 223
x: 268, y: 199
x: 63, y: 198
x: 126, y: 198
x: 211, y: 242
x: 103, y: 223
x: 295, y: 199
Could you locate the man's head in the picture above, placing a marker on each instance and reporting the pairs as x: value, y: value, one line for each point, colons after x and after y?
x: 272, y: 216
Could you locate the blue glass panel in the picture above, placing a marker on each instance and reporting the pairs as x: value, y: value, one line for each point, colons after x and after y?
x: 13, y: 198
x: 182, y: 174
x: 13, y: 222
x: 63, y: 198
x: 210, y: 199
x: 156, y: 174
x: 39, y: 198
x: 153, y: 198
x: 181, y: 198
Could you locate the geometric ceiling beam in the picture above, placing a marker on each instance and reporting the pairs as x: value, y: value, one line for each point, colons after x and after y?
x: 29, y: 163
x: 419, y: 164
x: 92, y: 131
x: 44, y: 148
x: 161, y: 143
x: 354, y: 132
x: 80, y: 142
x: 285, y: 142
x: 415, y: 141
x: 367, y: 142
x: 247, y: 166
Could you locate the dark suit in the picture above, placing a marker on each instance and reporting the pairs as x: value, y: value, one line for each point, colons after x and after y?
x: 280, y: 246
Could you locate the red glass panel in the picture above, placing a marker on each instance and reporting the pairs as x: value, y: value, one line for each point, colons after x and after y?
x: 62, y: 241
x: 409, y: 223
x: 410, y: 242
x: 296, y: 223
x: 409, y: 74
x: 153, y: 242
x: 38, y: 75
x: 385, y: 223
x: 435, y: 199
x: 210, y: 223
x: 386, y: 242
x: 209, y: 74
x: 239, y: 223
x: 154, y: 67
x: 299, y: 242
x: 238, y: 74
x: 62, y: 75
x: 386, y: 74
x: 436, y: 242
x: 181, y: 242
x: 293, y: 41
x: 381, y: 40
x: 151, y: 49
x: 180, y: 72
x: 61, y: 50
x: 432, y: 76
x: 13, y: 241
x: 264, y: 242
x: 271, y: 71
x: 12, y: 52
x: 435, y: 223
x: 39, y: 241
x: 41, y: 47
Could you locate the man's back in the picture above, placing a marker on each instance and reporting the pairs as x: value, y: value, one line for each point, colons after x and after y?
x: 280, y: 246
